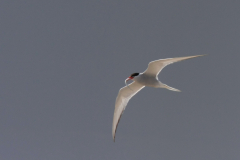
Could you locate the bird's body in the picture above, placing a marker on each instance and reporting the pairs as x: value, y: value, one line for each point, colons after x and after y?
x: 148, y: 78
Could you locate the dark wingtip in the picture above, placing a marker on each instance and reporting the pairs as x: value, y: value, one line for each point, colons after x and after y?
x: 114, y: 138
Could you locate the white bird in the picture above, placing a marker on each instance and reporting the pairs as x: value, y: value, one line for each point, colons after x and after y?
x: 148, y: 78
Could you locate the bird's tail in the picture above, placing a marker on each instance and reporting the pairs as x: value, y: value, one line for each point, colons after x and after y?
x: 169, y: 88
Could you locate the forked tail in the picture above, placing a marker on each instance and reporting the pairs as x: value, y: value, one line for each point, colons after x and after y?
x: 169, y: 88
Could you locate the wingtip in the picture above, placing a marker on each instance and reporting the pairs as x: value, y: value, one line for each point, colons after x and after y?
x: 113, y: 135
x: 202, y: 55
x: 190, y: 57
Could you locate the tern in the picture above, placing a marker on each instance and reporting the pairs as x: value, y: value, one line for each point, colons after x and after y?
x: 148, y: 78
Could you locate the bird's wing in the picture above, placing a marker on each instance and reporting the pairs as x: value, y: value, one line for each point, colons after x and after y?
x: 155, y: 67
x: 124, y: 95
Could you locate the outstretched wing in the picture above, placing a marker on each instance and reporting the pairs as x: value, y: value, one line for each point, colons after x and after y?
x: 155, y: 67
x: 124, y: 95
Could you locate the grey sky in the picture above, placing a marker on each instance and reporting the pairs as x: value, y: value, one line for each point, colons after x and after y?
x: 62, y: 64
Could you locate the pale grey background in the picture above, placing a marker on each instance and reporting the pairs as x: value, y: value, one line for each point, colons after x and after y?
x: 63, y: 62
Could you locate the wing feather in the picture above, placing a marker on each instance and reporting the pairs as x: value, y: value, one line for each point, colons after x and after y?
x: 155, y: 67
x: 124, y: 95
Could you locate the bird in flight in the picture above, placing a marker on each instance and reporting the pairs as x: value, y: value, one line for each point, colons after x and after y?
x: 148, y: 78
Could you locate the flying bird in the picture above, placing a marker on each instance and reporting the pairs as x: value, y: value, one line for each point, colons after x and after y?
x: 148, y: 78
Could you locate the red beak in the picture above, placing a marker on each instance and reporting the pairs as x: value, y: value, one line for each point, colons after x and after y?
x: 129, y: 78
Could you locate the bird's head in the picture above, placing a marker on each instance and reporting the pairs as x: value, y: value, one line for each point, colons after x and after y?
x: 132, y: 76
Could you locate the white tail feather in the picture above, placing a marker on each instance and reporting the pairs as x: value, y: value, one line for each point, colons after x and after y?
x: 170, y: 88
